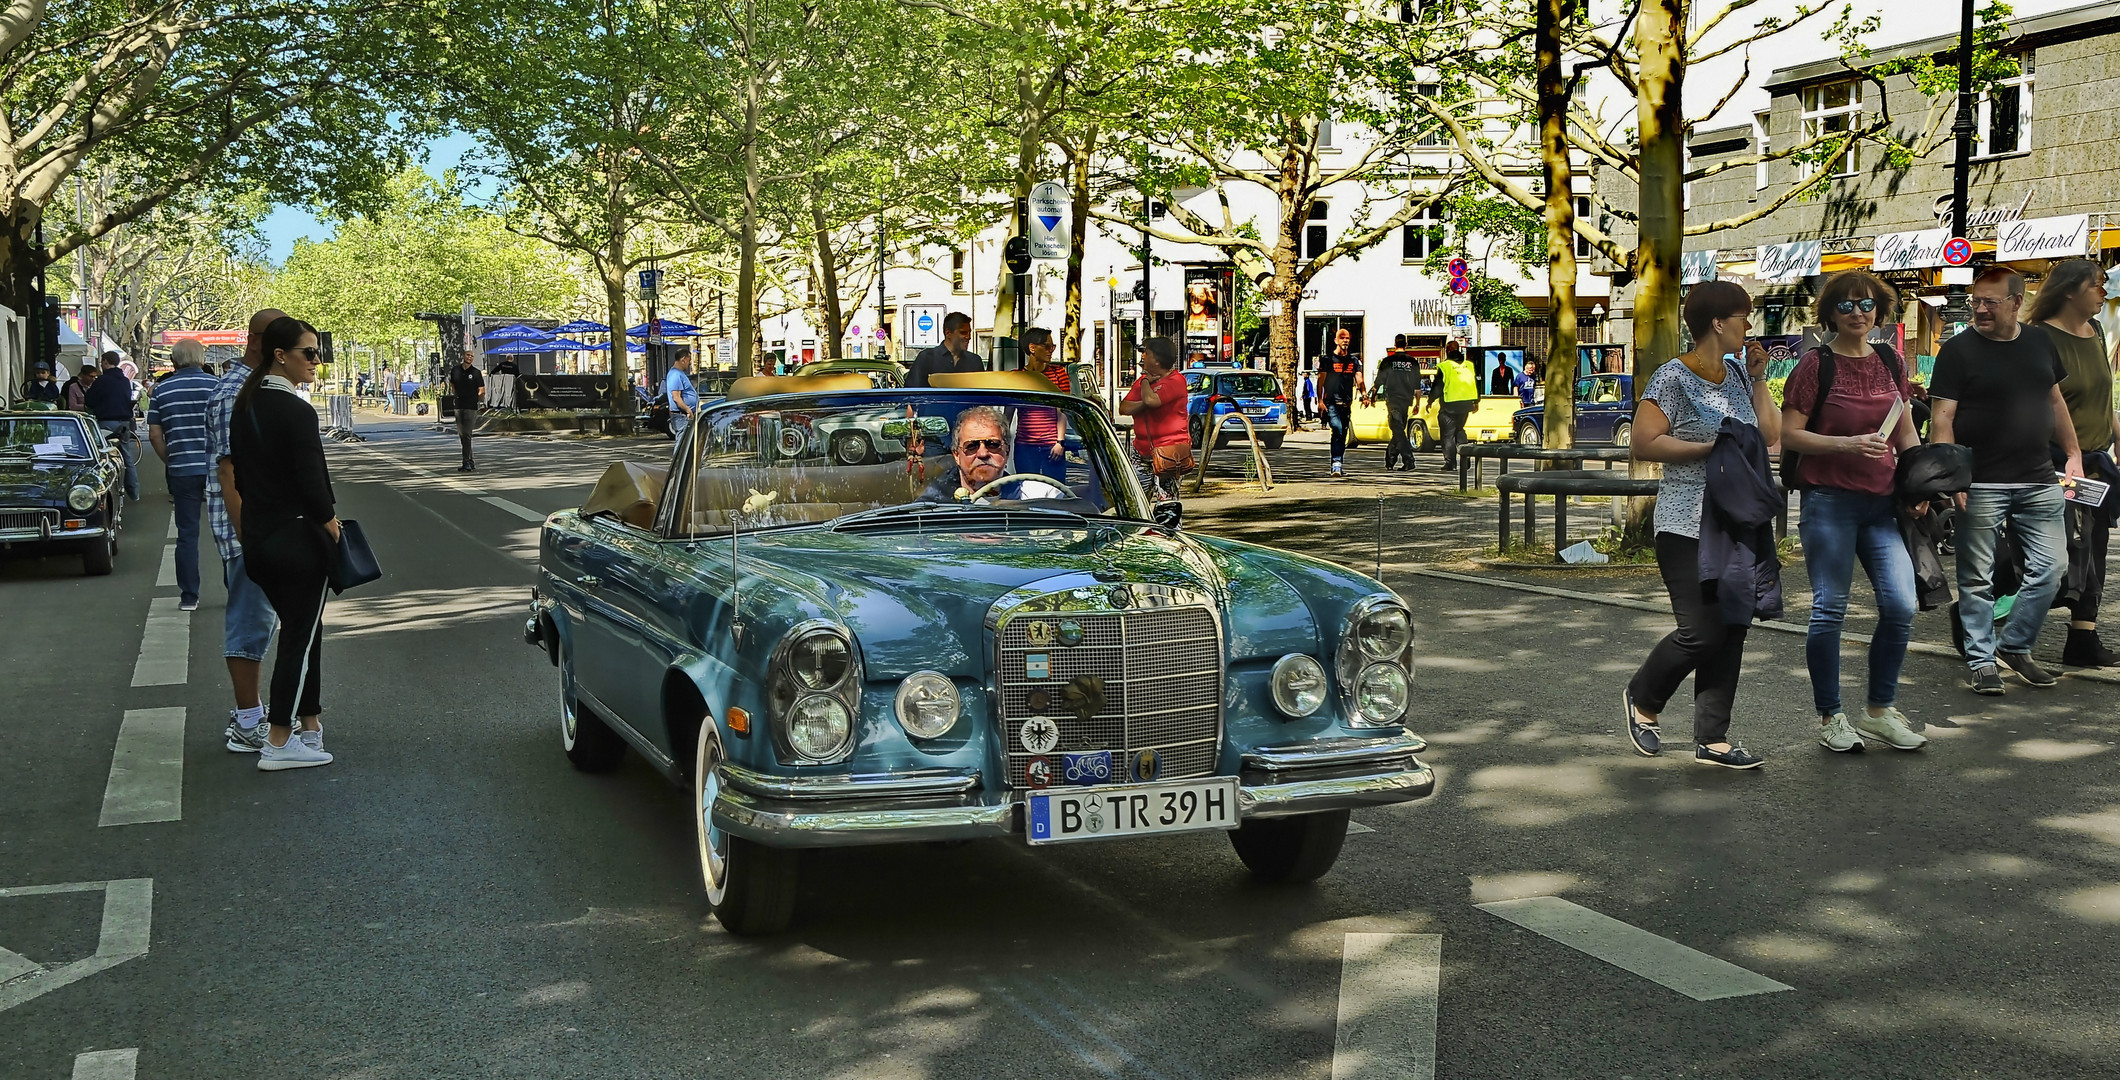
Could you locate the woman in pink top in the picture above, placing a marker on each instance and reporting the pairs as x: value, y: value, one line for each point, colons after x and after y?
x: 1157, y: 404
x: 1848, y: 456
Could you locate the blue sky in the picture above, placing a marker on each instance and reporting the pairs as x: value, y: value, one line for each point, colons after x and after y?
x: 286, y: 224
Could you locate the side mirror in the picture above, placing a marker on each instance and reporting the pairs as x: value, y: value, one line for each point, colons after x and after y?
x: 1169, y: 513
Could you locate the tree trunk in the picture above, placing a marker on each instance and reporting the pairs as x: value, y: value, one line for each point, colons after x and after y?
x: 613, y: 268
x: 1560, y: 226
x: 835, y: 323
x: 1285, y: 289
x: 747, y: 244
x: 1077, y: 242
x: 1660, y: 37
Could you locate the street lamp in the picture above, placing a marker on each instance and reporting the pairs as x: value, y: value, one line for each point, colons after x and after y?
x: 1957, y: 311
x: 1597, y: 313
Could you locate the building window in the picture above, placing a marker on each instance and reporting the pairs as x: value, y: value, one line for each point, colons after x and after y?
x: 1829, y: 111
x: 1762, y: 144
x: 2004, y: 125
x: 1583, y: 212
x: 1422, y: 235
x: 1325, y: 133
x: 1314, y: 238
x: 1434, y: 136
x: 957, y: 270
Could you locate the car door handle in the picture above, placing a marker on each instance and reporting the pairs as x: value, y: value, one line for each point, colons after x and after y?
x: 588, y: 581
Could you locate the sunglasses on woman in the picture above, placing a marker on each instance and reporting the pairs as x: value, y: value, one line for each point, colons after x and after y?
x: 973, y: 446
x: 1864, y: 305
x: 311, y: 354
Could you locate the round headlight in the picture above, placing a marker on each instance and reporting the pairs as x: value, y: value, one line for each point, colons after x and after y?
x: 1381, y: 693
x: 1298, y: 685
x: 819, y: 660
x: 927, y: 704
x: 1384, y: 632
x: 82, y: 498
x: 818, y: 726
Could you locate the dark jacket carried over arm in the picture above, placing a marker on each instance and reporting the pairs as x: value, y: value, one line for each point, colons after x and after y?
x: 1737, y: 526
x: 278, y: 452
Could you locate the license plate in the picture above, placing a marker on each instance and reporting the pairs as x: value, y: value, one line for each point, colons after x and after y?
x: 1104, y: 813
x: 1257, y: 410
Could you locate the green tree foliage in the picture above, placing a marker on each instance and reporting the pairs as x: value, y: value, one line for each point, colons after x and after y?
x: 302, y: 101
x: 423, y: 249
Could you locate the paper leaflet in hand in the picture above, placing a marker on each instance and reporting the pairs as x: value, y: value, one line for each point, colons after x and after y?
x: 1891, y: 419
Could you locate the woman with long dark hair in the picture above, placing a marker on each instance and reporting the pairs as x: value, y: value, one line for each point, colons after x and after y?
x: 2066, y: 310
x: 1676, y: 423
x: 289, y: 531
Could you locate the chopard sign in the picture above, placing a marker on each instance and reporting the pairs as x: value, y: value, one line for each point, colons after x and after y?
x: 1981, y: 217
x: 1790, y: 261
x: 2043, y: 238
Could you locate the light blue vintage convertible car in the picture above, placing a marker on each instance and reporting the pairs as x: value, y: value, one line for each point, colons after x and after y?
x: 967, y: 638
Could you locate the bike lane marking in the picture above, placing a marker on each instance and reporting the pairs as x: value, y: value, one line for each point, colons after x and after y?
x: 107, y: 1065
x: 165, y: 646
x: 1389, y: 988
x: 147, y: 769
x: 518, y: 509
x: 128, y: 921
x: 166, y: 577
x: 1631, y: 948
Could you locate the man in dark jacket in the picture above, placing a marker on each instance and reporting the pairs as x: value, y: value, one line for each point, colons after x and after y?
x: 110, y: 400
x: 1399, y: 378
x: 953, y: 356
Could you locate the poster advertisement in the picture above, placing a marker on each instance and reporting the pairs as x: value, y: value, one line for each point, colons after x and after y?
x: 1210, y: 333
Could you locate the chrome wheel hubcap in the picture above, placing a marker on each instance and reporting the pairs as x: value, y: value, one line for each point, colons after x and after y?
x: 713, y: 843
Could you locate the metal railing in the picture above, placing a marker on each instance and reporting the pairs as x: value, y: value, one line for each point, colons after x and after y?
x: 1214, y: 435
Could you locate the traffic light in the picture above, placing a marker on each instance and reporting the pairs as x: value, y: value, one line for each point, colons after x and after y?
x: 1141, y: 289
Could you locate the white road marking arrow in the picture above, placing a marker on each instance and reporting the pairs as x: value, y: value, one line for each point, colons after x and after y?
x: 128, y: 916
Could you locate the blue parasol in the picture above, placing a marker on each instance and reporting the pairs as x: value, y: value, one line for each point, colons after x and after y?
x: 581, y: 326
x: 670, y: 328
x: 513, y: 332
x: 517, y: 348
x: 570, y: 345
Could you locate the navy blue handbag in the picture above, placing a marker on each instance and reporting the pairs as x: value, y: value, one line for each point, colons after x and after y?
x: 356, y: 564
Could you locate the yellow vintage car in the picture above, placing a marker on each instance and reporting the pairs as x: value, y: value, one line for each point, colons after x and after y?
x: 1489, y: 422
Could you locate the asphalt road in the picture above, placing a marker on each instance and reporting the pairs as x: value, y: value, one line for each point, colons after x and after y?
x: 451, y: 899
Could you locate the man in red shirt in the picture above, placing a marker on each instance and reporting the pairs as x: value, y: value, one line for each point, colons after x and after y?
x: 1041, y: 434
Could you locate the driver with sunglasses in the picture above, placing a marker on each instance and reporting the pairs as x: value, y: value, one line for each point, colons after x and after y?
x: 980, y: 447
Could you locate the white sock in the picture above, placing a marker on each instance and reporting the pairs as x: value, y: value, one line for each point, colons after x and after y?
x: 250, y: 718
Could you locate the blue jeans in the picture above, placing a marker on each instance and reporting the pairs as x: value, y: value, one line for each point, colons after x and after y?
x: 1838, y: 527
x: 247, y: 628
x: 678, y: 423
x: 1338, y: 415
x: 1038, y: 458
x: 121, y: 432
x: 2036, y: 511
x: 190, y: 495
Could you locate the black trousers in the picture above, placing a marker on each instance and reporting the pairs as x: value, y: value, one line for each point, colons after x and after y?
x: 1451, y: 418
x: 464, y: 422
x: 2083, y: 607
x: 1703, y: 645
x: 1400, y: 449
x: 292, y: 567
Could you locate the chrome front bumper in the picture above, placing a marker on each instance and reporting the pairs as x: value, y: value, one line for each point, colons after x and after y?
x: 1330, y: 774
x: 38, y: 536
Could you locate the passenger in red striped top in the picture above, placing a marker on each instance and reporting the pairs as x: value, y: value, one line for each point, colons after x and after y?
x: 1041, y: 434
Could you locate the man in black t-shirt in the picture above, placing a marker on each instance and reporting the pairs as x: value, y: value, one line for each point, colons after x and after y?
x: 468, y: 386
x: 1997, y: 390
x: 1339, y: 383
x: 953, y: 356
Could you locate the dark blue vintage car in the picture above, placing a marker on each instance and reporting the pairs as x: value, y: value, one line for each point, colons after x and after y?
x: 1604, y: 413
x: 59, y: 491
x: 942, y: 643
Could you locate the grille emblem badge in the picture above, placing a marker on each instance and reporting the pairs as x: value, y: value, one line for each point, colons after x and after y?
x: 1039, y: 735
x: 1039, y: 773
x: 1070, y: 633
x: 1041, y: 634
x: 1147, y: 765
x: 1121, y: 596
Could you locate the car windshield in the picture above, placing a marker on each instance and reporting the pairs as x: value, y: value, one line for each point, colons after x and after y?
x: 795, y: 459
x: 44, y: 436
x: 1251, y: 384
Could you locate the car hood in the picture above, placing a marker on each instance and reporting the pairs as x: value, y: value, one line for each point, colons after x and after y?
x: 25, y: 481
x: 920, y: 600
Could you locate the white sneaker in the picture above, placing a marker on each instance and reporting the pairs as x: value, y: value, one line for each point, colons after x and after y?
x: 1836, y: 734
x: 312, y: 739
x: 1890, y: 729
x: 295, y: 755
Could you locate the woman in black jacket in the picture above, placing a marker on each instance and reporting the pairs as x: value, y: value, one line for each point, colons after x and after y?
x: 289, y: 531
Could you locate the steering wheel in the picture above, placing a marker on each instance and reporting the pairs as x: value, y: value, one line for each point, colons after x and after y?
x: 1000, y: 480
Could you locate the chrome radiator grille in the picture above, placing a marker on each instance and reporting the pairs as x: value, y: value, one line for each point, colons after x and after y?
x: 1158, y: 671
x: 11, y: 518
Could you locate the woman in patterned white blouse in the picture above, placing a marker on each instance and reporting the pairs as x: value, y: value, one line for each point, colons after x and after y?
x: 1675, y: 424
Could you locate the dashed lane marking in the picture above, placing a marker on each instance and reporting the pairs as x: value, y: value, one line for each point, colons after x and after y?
x: 147, y: 769
x: 128, y: 922
x: 172, y: 533
x: 1354, y: 827
x: 166, y: 578
x: 165, y: 647
x: 518, y: 509
x: 1389, y: 985
x: 107, y: 1065
x: 1631, y: 948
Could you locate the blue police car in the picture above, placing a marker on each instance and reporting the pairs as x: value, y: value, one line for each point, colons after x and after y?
x: 1214, y: 392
